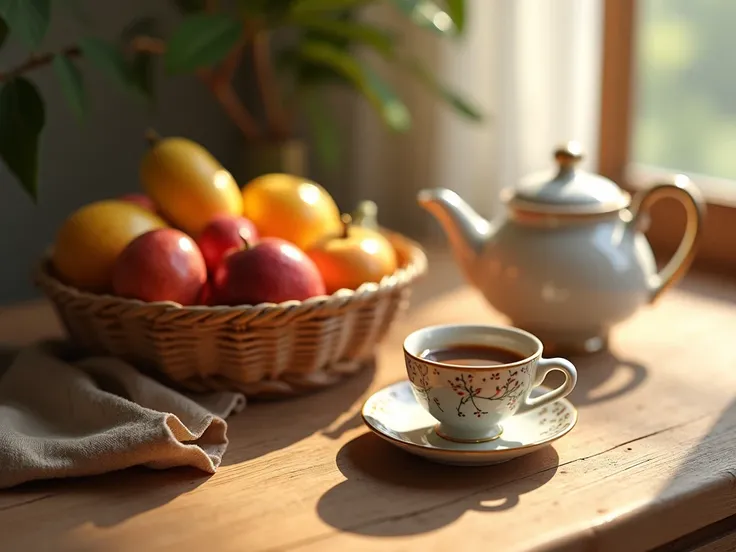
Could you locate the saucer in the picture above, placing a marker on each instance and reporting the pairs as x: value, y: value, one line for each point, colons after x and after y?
x: 394, y: 415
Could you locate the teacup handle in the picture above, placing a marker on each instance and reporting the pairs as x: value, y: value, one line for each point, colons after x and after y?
x: 544, y: 367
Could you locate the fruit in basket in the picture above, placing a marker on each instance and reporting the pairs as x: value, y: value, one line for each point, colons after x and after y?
x: 223, y: 233
x: 161, y: 265
x: 356, y: 255
x: 270, y: 271
x: 290, y: 207
x: 141, y: 200
x: 205, y: 294
x: 189, y: 186
x: 90, y: 240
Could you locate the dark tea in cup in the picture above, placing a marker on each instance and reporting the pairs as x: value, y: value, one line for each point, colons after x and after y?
x: 471, y: 354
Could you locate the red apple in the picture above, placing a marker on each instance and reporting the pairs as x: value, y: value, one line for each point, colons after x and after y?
x: 223, y: 233
x: 270, y: 271
x: 160, y: 265
x: 205, y: 295
x: 140, y: 199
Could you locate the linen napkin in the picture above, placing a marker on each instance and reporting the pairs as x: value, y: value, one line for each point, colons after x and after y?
x: 62, y: 417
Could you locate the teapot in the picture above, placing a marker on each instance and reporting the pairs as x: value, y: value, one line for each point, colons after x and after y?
x: 569, y: 259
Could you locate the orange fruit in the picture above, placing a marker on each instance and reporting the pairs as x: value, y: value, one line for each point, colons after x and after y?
x: 291, y: 208
x: 188, y: 185
x: 90, y: 240
x: 356, y: 256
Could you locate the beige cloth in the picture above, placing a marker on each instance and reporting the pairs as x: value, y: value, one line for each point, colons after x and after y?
x: 64, y: 418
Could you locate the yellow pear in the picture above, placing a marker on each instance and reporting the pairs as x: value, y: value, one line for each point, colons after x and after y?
x: 189, y: 186
x: 89, y: 241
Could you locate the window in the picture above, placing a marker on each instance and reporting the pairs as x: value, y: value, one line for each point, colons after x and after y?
x: 668, y: 106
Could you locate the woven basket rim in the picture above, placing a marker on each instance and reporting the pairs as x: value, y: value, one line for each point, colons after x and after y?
x: 414, y: 267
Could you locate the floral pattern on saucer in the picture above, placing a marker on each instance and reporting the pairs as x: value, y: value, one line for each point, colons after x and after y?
x: 394, y: 414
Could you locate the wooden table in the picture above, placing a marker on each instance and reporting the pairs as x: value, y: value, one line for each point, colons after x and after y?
x: 652, y: 460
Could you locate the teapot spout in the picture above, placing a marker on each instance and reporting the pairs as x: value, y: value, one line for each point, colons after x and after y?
x: 466, y: 230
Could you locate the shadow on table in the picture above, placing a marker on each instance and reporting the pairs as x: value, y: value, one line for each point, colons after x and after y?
x: 605, y: 376
x: 7, y: 355
x: 266, y: 426
x: 110, y: 498
x: 389, y: 492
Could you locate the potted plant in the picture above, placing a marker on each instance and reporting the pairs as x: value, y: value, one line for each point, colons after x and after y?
x: 322, y: 41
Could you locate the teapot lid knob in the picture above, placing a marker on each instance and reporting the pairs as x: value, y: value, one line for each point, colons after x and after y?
x: 569, y: 154
x: 570, y: 191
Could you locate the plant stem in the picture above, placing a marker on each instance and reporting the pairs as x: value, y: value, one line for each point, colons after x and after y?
x: 38, y: 60
x: 232, y: 60
x: 268, y: 87
x: 231, y: 104
x: 148, y: 44
x: 347, y: 221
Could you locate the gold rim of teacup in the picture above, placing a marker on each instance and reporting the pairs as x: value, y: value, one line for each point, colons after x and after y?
x: 490, y: 367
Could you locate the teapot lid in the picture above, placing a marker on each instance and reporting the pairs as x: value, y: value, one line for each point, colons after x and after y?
x: 568, y: 189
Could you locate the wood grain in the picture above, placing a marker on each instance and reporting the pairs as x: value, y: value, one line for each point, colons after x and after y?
x: 652, y: 457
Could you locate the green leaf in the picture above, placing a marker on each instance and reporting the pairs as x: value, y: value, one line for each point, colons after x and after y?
x: 22, y: 118
x: 108, y: 58
x: 3, y: 31
x: 380, y: 40
x: 382, y: 98
x: 190, y: 6
x: 71, y: 84
x: 427, y: 14
x: 29, y: 19
x: 458, y: 103
x: 200, y: 41
x: 306, y: 74
x: 393, y: 110
x: 324, y: 128
x: 311, y: 7
x: 456, y: 11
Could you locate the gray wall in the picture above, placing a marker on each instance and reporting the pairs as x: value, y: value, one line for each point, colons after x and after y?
x: 99, y: 159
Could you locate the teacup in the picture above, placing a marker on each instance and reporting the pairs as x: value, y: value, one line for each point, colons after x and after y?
x: 471, y: 402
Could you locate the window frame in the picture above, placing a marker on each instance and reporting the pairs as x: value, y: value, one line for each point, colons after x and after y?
x: 717, y: 247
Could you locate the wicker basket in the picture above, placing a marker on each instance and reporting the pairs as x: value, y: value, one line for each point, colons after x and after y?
x: 263, y: 350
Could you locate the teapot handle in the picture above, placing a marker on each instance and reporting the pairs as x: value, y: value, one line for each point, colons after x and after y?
x: 683, y: 190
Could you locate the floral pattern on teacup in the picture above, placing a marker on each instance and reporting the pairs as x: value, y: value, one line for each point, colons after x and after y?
x: 419, y: 377
x: 470, y: 388
x: 474, y: 392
